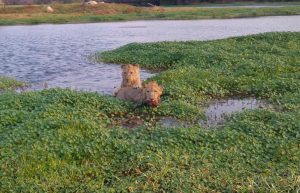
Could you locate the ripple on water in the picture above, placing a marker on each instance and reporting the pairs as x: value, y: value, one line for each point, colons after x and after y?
x: 57, y: 54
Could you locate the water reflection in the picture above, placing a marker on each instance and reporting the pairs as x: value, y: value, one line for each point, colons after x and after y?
x: 217, y: 113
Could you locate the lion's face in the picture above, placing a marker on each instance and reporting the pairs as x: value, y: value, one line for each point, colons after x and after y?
x: 152, y: 92
x: 130, y: 73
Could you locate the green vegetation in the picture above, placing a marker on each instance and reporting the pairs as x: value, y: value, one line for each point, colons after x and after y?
x: 245, y: 3
x: 66, y: 141
x: 264, y: 65
x: 7, y: 83
x: 77, y: 13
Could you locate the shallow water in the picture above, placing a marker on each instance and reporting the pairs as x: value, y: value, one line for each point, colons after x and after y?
x: 58, y: 54
x: 170, y: 122
x: 217, y: 112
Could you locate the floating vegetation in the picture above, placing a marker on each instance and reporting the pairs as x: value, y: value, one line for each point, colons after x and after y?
x: 218, y: 112
x: 7, y: 83
x: 170, y: 122
x: 60, y: 140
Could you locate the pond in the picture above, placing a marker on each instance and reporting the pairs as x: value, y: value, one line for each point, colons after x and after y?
x: 217, y: 112
x: 58, y: 54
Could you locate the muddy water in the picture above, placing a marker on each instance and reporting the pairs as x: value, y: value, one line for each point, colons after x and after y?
x: 58, y: 54
x: 217, y: 112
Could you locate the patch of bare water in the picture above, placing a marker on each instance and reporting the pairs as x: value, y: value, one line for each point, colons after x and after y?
x: 217, y: 112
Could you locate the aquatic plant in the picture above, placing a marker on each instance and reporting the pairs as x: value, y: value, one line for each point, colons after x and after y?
x: 7, y: 83
x: 62, y: 140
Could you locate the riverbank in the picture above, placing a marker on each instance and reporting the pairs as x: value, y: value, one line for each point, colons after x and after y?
x: 239, y: 4
x: 63, y: 140
x: 7, y: 83
x: 77, y: 13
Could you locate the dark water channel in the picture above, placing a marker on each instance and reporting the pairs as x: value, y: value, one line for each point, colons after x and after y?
x: 58, y: 54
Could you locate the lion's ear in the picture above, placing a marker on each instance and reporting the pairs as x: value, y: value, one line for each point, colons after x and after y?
x: 123, y: 65
x: 143, y: 84
x: 161, y: 87
x: 137, y: 65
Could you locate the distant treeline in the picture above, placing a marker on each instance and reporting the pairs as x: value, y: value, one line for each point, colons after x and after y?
x: 137, y: 2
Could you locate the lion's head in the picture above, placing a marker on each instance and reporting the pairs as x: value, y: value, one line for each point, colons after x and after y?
x: 131, y: 75
x: 152, y: 92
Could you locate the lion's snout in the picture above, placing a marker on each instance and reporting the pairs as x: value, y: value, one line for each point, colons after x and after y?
x: 153, y: 102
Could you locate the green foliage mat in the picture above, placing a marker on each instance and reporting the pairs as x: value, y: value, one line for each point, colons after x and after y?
x: 64, y: 141
x: 7, y: 83
x: 264, y: 65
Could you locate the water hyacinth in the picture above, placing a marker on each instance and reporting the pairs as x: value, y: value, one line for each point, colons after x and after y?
x: 63, y: 140
x: 7, y: 83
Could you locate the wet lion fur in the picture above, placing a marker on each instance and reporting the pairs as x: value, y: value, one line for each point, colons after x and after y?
x: 149, y: 94
x: 131, y: 76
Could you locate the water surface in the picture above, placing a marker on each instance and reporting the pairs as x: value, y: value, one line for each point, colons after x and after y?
x: 218, y: 112
x: 58, y: 54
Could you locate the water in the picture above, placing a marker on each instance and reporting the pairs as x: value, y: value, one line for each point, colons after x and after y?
x: 170, y: 122
x: 217, y: 112
x: 58, y: 54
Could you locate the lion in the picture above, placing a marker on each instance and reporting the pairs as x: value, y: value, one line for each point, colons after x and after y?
x: 149, y: 94
x: 131, y: 76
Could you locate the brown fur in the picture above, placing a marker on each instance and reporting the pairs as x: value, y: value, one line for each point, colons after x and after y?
x: 149, y: 94
x: 131, y: 76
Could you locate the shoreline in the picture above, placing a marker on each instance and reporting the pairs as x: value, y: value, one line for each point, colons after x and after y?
x: 139, y: 14
x: 156, y: 19
x: 62, y: 140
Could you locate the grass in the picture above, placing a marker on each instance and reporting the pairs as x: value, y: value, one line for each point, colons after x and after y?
x: 67, y: 141
x: 76, y: 13
x: 7, y: 83
x: 249, y: 3
x: 261, y: 65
